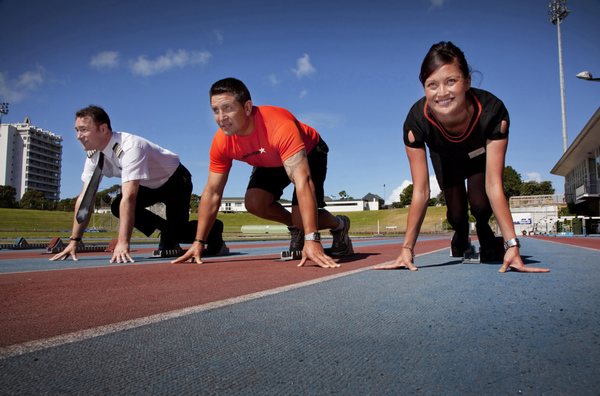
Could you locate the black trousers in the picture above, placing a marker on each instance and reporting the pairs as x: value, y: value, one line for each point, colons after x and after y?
x: 175, y: 194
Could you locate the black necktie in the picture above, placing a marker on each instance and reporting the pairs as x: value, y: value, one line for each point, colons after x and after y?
x: 86, y: 202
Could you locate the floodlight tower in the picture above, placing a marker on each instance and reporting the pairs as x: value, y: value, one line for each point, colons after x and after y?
x: 3, y: 110
x: 558, y: 12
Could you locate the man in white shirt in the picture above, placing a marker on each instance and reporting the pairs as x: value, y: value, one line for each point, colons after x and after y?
x: 149, y: 174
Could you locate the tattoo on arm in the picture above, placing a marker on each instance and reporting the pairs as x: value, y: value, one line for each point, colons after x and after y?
x: 292, y: 163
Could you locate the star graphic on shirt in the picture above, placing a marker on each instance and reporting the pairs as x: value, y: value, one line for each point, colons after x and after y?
x: 83, y: 213
x: 262, y: 150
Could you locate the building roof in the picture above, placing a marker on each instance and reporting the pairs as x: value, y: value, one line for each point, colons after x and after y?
x: 587, y: 140
x: 371, y: 197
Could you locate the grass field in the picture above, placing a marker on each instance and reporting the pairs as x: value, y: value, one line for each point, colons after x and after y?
x: 45, y: 224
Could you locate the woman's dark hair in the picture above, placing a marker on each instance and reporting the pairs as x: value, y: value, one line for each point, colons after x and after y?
x: 232, y: 86
x: 96, y: 113
x: 441, y: 54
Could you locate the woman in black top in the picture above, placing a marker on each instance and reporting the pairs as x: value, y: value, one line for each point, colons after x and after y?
x: 466, y: 130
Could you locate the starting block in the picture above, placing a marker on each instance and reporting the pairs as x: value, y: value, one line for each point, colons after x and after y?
x: 21, y: 244
x: 297, y: 254
x: 180, y: 252
x: 289, y: 256
x: 56, y: 245
x: 471, y: 256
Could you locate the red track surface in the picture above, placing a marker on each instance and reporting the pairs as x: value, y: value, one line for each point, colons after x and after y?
x: 38, y: 305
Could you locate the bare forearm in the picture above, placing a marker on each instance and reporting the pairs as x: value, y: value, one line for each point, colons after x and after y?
x: 305, y: 191
x: 127, y: 218
x: 501, y: 211
x: 416, y: 214
x: 207, y: 214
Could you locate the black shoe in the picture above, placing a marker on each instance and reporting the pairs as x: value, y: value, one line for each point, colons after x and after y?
x: 459, y: 245
x: 214, y: 241
x: 341, y: 244
x: 488, y: 245
x: 167, y: 243
x: 297, y: 239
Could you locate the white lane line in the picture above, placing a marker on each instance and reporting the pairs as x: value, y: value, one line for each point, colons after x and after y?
x: 32, y: 346
x: 38, y: 345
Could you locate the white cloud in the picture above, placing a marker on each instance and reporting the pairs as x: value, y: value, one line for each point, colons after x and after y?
x: 219, y: 35
x: 436, y: 4
x: 304, y: 68
x: 395, y: 195
x: 434, y: 187
x: 105, y: 60
x: 534, y: 176
x: 274, y: 80
x: 170, y: 60
x: 303, y: 93
x: 320, y: 120
x: 16, y: 90
x: 30, y: 80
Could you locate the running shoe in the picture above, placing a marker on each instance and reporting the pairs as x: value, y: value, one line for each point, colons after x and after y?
x: 341, y: 244
x: 459, y: 244
x: 214, y: 241
x: 167, y: 243
x: 297, y: 239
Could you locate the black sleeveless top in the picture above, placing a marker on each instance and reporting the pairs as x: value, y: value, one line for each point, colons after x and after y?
x: 485, y: 124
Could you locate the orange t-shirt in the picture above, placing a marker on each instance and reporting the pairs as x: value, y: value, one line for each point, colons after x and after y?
x: 277, y: 135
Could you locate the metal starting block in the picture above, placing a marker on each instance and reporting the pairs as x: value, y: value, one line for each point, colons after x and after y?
x: 56, y: 245
x: 289, y: 256
x: 21, y: 244
x: 168, y: 253
x: 180, y: 252
x: 297, y: 254
x: 471, y: 256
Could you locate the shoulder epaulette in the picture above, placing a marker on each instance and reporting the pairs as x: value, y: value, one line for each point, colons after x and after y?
x: 118, y: 150
x: 91, y: 153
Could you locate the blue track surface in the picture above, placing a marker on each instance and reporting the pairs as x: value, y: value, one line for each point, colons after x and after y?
x: 449, y: 328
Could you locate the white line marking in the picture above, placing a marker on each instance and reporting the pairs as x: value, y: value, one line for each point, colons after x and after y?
x: 38, y: 345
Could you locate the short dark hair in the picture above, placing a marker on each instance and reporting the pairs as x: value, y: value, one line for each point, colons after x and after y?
x: 233, y: 86
x: 96, y: 113
x: 441, y: 54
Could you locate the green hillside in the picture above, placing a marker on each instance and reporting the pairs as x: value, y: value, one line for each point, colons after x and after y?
x: 45, y: 224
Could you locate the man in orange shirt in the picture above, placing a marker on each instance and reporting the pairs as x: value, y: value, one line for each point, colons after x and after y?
x: 281, y: 150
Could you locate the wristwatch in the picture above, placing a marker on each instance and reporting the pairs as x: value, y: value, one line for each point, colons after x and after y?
x: 75, y: 239
x: 313, y: 236
x: 512, y: 243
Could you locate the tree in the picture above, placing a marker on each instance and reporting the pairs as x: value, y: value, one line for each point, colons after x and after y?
x: 7, y: 197
x: 432, y: 202
x: 534, y: 188
x: 512, y: 182
x: 406, y: 195
x: 33, y: 199
x: 194, y: 203
x: 344, y: 196
x: 441, y: 199
x: 66, y: 205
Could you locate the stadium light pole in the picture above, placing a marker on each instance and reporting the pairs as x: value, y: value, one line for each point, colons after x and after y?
x: 586, y: 75
x: 3, y: 110
x: 558, y: 12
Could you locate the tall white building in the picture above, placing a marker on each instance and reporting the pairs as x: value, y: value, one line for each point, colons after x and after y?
x: 30, y: 159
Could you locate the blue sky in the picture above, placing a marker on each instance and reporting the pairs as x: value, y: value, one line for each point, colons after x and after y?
x: 348, y: 68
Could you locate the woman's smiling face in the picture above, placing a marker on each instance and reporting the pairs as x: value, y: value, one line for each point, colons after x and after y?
x: 445, y: 90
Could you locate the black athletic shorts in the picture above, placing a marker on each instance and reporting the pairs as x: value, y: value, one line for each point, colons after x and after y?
x: 275, y: 180
x: 452, y: 171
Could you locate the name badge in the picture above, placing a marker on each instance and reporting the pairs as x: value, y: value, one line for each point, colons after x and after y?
x: 477, y: 152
